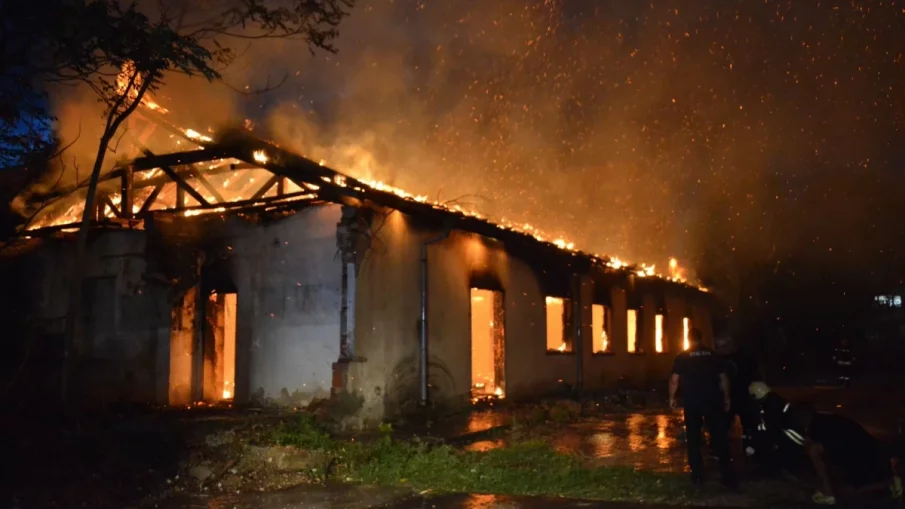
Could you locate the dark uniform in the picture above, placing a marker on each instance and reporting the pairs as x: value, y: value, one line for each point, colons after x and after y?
x: 742, y: 370
x: 848, y: 447
x: 844, y: 361
x: 699, y: 378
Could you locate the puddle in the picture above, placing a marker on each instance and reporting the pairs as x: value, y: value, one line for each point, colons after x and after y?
x: 651, y: 442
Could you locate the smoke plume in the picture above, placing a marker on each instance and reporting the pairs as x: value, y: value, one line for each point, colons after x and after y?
x: 709, y: 130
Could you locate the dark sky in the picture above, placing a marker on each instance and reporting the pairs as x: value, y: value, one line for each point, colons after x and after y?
x: 763, y: 132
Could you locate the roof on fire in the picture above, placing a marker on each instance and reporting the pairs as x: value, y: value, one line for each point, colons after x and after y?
x: 237, y: 150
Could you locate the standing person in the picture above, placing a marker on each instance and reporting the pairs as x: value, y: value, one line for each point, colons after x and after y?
x: 844, y: 361
x: 743, y: 369
x: 706, y: 399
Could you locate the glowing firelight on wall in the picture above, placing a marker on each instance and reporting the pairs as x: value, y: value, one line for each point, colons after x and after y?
x: 686, y: 333
x: 658, y: 337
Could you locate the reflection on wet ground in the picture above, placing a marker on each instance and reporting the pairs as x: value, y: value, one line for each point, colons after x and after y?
x: 643, y: 441
x: 500, y: 502
x: 362, y: 497
x: 476, y: 421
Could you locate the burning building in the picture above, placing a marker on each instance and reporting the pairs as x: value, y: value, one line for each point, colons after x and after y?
x: 237, y: 270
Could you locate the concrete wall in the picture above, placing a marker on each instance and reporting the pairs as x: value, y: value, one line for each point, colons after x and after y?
x: 287, y: 275
x: 288, y: 280
x: 387, y: 317
x: 126, y: 334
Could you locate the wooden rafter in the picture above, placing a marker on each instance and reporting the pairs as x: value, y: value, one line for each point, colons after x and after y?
x: 183, y: 173
x: 151, y: 198
x: 107, y: 202
x: 199, y: 176
x: 182, y: 185
x: 272, y: 181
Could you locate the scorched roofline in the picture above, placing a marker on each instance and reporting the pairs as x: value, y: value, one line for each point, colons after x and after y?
x: 333, y: 186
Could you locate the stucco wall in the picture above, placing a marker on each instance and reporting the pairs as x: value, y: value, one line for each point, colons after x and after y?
x: 288, y: 278
x: 125, y: 341
x: 387, y: 318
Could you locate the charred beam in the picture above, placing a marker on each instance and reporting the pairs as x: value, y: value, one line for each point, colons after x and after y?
x: 107, y: 202
x: 151, y: 199
x: 151, y: 161
x: 266, y: 187
x: 199, y: 175
x: 126, y: 192
x: 181, y: 184
x: 281, y: 186
x: 303, y: 196
x: 164, y: 179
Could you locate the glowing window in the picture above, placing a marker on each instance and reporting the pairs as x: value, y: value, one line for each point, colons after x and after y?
x: 659, y: 336
x: 686, y: 333
x: 558, y: 314
x: 600, y: 327
x: 632, y: 331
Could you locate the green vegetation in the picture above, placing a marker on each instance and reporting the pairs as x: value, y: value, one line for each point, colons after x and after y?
x: 528, y: 468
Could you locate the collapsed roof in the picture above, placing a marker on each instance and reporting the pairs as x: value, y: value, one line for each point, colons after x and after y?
x: 236, y: 172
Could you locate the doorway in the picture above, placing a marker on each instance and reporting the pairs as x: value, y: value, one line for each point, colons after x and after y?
x: 219, y: 345
x: 487, y: 344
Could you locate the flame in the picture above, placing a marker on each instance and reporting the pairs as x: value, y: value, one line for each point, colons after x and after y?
x: 71, y: 215
x: 498, y: 392
x: 658, y: 334
x: 126, y: 74
x: 562, y: 347
x: 195, y: 135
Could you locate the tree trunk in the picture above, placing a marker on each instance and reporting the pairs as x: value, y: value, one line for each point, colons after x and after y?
x: 73, y: 330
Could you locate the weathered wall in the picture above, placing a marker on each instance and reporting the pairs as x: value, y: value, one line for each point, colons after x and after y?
x: 387, y: 318
x: 387, y: 328
x: 125, y: 346
x: 287, y: 276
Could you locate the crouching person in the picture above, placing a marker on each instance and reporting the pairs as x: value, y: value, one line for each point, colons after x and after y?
x: 836, y: 446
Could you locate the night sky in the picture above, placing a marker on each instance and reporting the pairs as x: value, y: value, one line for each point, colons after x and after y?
x: 727, y: 133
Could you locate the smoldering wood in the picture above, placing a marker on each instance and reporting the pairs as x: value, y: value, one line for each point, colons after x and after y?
x: 199, y: 176
x: 151, y: 199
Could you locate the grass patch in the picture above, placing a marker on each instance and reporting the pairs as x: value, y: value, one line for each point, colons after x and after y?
x: 528, y: 468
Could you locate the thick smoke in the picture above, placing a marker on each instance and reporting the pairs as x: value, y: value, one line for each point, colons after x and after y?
x: 711, y: 131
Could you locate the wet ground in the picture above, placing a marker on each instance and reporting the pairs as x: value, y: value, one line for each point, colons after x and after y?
x: 650, y: 442
x: 345, y: 497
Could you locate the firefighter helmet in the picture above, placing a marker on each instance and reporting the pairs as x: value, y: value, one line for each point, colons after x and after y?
x: 758, y: 389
